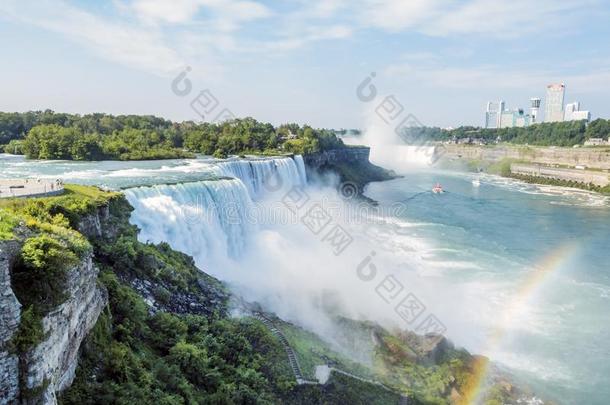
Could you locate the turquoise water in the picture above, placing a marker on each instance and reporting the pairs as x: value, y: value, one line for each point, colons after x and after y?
x: 475, y: 251
x: 495, y: 237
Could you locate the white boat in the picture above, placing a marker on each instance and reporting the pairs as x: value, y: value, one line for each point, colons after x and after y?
x: 476, y: 182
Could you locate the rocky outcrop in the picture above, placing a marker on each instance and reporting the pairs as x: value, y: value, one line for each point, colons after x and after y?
x: 91, y: 225
x: 50, y: 366
x: 597, y: 178
x: 10, y: 314
x: 354, y: 154
x: 351, y: 164
x: 598, y: 158
x: 35, y: 376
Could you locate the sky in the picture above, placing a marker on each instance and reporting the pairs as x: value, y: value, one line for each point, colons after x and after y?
x: 301, y: 60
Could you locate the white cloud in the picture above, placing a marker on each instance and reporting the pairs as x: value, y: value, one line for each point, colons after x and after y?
x: 122, y: 43
x: 175, y: 11
x: 397, y: 15
x: 499, y: 78
x: 163, y: 35
x: 513, y: 18
x: 311, y: 34
x: 229, y: 12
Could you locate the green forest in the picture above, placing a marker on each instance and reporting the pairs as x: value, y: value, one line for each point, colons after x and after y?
x: 50, y: 135
x: 544, y: 134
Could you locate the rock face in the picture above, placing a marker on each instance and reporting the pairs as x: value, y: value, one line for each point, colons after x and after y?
x: 592, y: 157
x: 356, y: 154
x: 34, y: 377
x: 10, y: 315
x: 91, y: 225
x: 52, y: 363
x: 351, y: 164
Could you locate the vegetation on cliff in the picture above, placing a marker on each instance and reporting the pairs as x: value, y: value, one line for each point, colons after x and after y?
x: 49, y: 135
x: 49, y: 246
x: 166, y: 335
x: 560, y: 183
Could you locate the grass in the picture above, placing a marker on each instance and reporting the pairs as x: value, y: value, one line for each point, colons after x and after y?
x: 51, y: 214
x: 312, y: 351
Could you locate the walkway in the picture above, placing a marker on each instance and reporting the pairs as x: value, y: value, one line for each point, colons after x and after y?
x: 322, y: 372
x: 10, y: 188
x: 292, y: 358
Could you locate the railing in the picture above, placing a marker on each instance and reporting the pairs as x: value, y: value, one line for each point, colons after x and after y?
x: 11, y: 189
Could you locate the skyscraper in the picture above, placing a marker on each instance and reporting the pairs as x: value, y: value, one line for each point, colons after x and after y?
x: 574, y: 113
x: 553, y: 107
x: 493, y: 114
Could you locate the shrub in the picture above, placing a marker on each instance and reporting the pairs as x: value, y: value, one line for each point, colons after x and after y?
x: 30, y: 332
x: 45, y: 254
x: 39, y: 275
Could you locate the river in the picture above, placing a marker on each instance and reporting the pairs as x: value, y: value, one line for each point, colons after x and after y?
x: 513, y: 271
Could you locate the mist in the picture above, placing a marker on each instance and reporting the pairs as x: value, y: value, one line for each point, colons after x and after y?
x: 388, y: 149
x: 262, y: 248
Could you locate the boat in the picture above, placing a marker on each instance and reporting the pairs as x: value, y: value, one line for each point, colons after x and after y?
x: 437, y: 189
x: 476, y: 182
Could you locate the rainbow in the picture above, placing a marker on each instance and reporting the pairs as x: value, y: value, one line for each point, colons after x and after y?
x: 528, y: 288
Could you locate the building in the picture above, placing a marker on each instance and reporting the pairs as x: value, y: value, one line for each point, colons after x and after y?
x: 574, y: 113
x: 597, y: 142
x: 534, y: 109
x: 493, y: 114
x: 514, y: 118
x: 553, y: 107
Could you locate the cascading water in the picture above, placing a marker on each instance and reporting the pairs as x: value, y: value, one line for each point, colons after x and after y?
x: 215, y: 218
x: 403, y: 157
x: 260, y: 175
x: 201, y: 218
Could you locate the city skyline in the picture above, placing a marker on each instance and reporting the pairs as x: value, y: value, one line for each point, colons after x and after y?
x: 303, y: 60
x: 497, y: 115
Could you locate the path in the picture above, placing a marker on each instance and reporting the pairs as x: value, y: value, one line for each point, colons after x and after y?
x: 322, y: 372
x: 10, y: 188
x: 292, y: 358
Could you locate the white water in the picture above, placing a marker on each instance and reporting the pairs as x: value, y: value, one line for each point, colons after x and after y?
x: 463, y: 253
x: 388, y: 150
x: 265, y: 174
x: 464, y: 272
x: 212, y: 219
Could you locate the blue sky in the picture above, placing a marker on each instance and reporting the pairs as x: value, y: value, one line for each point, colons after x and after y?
x: 302, y: 60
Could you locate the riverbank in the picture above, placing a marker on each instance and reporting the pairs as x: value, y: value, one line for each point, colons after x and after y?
x: 594, y: 157
x: 590, y: 180
x: 582, y: 168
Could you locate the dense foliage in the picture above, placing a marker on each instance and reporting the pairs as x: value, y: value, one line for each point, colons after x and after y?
x: 560, y: 183
x: 147, y: 347
x: 544, y: 134
x: 134, y: 357
x: 49, y: 248
x: 49, y: 135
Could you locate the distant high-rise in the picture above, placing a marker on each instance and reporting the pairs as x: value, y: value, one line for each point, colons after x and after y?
x: 514, y: 118
x: 534, y: 110
x: 553, y: 107
x: 493, y: 114
x: 574, y: 113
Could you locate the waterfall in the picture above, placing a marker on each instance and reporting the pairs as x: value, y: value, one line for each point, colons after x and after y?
x: 201, y: 218
x: 212, y: 218
x: 267, y: 174
x: 403, y: 157
x: 301, y: 168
